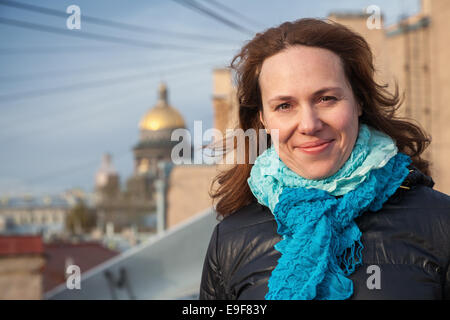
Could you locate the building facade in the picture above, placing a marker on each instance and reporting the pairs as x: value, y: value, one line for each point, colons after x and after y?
x: 22, y: 261
x: 45, y: 215
x: 414, y: 54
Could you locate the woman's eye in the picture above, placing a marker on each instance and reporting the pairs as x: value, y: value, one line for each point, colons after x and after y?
x: 327, y: 98
x: 283, y: 106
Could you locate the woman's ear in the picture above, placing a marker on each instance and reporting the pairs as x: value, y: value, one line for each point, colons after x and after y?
x: 360, y: 109
x: 261, y: 118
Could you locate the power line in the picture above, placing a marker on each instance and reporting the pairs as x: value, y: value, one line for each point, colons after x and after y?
x: 33, y: 118
x: 98, y: 37
x: 79, y: 118
x: 44, y: 111
x: 233, y: 12
x: 68, y: 72
x: 85, y: 85
x: 58, y: 49
x: 193, y: 5
x: 84, y: 70
x: 77, y: 86
x: 113, y: 24
x: 77, y: 49
x: 71, y: 169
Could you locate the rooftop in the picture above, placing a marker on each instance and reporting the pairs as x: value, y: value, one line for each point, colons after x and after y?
x: 19, y: 245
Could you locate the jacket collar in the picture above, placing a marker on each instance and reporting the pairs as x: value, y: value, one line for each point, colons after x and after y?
x: 416, y: 177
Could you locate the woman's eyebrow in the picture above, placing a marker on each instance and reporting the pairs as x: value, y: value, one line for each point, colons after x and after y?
x: 316, y: 93
x: 323, y: 90
x: 282, y: 98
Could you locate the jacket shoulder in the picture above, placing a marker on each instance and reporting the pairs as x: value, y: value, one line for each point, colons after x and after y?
x: 422, y: 200
x: 421, y: 216
x: 242, y: 243
x: 246, y: 217
x: 430, y: 210
x: 417, y: 193
x: 425, y: 196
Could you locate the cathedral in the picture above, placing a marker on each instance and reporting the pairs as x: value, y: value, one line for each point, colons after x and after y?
x: 136, y: 206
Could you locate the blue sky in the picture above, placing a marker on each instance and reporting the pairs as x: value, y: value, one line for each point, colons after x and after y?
x: 64, y: 101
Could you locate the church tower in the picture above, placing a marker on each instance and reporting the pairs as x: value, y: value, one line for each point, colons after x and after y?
x: 156, y: 128
x: 107, y: 183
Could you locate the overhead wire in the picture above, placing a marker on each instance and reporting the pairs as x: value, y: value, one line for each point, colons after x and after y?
x: 100, y: 37
x: 61, y: 49
x: 83, y: 85
x: 8, y: 123
x: 77, y: 119
x: 33, y: 132
x: 37, y: 27
x: 63, y: 122
x: 114, y: 24
x: 84, y: 70
x: 236, y: 13
x: 8, y: 138
x: 36, y: 115
x: 71, y: 169
x: 78, y: 49
x: 193, y: 5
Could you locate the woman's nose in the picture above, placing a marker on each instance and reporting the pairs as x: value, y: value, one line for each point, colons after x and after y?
x: 309, y: 122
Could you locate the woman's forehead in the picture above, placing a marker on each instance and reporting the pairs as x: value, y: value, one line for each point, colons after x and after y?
x: 303, y: 60
x: 310, y: 68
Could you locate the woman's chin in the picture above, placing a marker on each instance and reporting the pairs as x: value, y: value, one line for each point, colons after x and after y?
x: 311, y: 170
x: 315, y: 174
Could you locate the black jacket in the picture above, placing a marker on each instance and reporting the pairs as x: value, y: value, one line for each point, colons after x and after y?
x: 408, y: 241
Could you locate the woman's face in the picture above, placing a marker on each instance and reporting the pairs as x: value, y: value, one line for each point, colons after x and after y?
x: 306, y: 97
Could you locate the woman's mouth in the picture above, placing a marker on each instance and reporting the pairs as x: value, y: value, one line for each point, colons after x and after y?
x: 315, y: 147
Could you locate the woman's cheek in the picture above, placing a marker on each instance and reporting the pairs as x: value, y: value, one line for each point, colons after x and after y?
x: 286, y: 129
x: 342, y: 120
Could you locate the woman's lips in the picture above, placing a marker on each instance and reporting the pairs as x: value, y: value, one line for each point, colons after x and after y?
x: 315, y: 147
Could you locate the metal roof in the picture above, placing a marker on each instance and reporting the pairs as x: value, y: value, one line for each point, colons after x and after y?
x: 166, y: 266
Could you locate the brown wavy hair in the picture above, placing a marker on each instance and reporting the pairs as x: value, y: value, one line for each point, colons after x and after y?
x: 378, y: 104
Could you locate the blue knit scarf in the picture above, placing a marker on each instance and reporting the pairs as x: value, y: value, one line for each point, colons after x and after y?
x: 320, y: 243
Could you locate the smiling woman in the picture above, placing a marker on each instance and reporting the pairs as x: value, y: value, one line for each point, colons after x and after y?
x: 343, y: 189
x: 318, y: 118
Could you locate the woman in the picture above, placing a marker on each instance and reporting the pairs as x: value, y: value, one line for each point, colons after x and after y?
x: 341, y: 205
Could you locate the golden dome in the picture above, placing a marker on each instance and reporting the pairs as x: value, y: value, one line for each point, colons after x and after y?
x: 162, y: 115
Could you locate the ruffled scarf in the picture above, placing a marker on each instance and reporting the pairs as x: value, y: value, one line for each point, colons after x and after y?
x: 320, y: 243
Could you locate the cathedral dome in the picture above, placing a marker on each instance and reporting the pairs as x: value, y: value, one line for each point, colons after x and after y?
x: 162, y: 115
